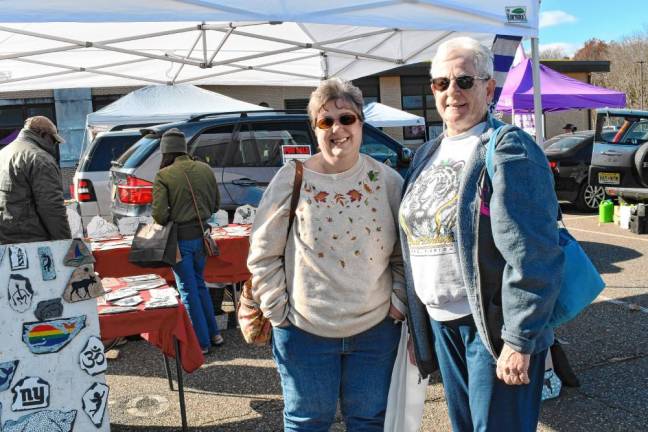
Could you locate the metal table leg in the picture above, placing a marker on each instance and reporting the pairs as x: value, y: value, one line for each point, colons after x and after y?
x: 183, y: 412
x: 167, y: 368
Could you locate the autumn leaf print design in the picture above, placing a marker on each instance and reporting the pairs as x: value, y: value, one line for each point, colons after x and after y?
x: 339, y: 199
x: 367, y: 188
x: 373, y: 175
x: 321, y: 197
x: 354, y: 195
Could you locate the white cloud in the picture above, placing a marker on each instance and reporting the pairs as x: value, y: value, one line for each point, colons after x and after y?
x: 568, y: 48
x: 555, y: 17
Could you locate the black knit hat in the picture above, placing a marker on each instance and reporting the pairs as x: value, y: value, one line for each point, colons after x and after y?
x: 173, y: 141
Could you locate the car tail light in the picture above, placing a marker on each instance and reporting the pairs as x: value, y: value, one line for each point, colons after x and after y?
x: 553, y: 164
x: 135, y: 191
x: 83, y: 191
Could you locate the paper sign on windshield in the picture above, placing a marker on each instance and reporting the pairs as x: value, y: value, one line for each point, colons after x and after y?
x: 295, y: 152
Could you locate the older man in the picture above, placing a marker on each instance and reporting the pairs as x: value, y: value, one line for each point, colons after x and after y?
x: 31, y: 193
x: 482, y: 258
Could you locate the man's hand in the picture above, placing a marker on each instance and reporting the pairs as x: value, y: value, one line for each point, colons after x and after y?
x: 395, y: 313
x: 513, y: 367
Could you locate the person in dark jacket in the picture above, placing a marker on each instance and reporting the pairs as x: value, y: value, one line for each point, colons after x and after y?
x: 173, y: 201
x: 31, y: 194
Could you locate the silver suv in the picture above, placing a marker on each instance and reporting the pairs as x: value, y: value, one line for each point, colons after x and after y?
x: 620, y: 153
x: 245, y: 150
x: 91, y: 186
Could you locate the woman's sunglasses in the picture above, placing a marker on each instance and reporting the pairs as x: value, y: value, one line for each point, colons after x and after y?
x: 464, y: 82
x: 344, y: 119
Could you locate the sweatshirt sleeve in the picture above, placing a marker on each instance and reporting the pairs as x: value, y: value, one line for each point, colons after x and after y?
x: 394, y: 184
x: 267, y: 246
x: 160, y: 207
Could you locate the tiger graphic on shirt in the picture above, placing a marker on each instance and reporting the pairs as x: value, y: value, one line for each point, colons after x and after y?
x: 431, y: 207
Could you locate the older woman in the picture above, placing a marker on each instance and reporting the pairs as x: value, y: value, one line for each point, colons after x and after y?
x: 482, y: 259
x: 328, y: 289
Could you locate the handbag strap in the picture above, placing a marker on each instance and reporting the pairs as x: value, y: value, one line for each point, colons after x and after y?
x: 195, y: 203
x: 299, y: 174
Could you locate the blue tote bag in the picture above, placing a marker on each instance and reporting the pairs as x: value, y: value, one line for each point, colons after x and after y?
x: 581, y: 282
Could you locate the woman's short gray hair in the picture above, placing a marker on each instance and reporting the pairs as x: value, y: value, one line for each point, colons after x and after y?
x: 482, y: 56
x: 334, y: 89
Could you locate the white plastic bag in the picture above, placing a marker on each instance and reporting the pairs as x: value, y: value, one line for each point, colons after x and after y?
x: 406, y: 392
x: 100, y: 228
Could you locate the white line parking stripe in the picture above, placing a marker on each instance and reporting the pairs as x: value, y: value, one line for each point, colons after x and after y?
x: 579, y: 217
x: 607, y: 234
x: 631, y: 306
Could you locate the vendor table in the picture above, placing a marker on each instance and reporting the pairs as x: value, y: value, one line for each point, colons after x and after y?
x: 169, y: 329
x: 229, y: 266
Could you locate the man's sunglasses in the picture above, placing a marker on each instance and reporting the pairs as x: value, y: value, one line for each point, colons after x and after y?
x: 464, y: 82
x: 328, y: 122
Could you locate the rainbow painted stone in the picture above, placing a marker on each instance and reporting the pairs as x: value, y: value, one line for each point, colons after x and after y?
x: 51, y: 336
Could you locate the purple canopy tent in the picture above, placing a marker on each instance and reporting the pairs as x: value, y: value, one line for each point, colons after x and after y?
x: 559, y: 92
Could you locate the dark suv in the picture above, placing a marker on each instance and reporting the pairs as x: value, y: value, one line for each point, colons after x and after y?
x: 244, y: 149
x: 620, y: 154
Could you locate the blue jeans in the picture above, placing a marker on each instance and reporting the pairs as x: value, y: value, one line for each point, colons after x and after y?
x: 193, y: 291
x: 477, y: 399
x: 316, y: 371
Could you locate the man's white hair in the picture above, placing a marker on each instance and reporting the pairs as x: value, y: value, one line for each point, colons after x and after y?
x: 482, y: 56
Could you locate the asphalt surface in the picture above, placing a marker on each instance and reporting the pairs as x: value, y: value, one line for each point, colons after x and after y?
x: 238, y: 388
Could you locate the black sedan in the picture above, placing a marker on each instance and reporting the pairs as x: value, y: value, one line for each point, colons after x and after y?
x: 569, y: 157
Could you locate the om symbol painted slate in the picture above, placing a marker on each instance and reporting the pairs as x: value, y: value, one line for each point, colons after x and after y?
x: 51, y: 336
x: 30, y: 393
x: 20, y: 293
x: 92, y: 358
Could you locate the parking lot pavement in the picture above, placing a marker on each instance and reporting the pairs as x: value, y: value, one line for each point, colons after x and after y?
x: 238, y: 388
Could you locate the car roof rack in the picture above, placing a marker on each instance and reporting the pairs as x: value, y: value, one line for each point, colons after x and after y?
x: 244, y: 113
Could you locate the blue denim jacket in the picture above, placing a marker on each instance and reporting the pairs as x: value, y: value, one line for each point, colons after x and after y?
x: 507, y: 242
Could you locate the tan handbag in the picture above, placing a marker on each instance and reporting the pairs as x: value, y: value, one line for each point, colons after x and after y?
x: 255, y: 327
x: 209, y: 245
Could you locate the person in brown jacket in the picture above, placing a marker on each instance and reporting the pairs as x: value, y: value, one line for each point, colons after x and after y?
x: 31, y: 194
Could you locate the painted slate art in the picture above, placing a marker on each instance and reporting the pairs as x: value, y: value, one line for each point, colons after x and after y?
x: 7, y: 371
x: 19, y: 293
x: 92, y: 358
x: 18, y: 258
x: 49, y: 309
x: 43, y: 421
x: 51, y: 336
x: 30, y: 393
x: 84, y: 284
x: 46, y: 263
x: 3, y: 249
x: 78, y: 254
x: 95, y: 400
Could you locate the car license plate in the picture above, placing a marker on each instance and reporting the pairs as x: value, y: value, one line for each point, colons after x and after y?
x: 609, y: 178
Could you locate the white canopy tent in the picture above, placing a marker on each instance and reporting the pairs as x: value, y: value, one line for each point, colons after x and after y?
x: 164, y: 104
x: 380, y: 115
x: 103, y: 43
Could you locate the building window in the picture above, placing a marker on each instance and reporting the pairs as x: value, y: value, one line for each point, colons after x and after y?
x: 12, y: 118
x: 100, y: 101
x: 370, y: 88
x: 296, y: 104
x: 417, y: 99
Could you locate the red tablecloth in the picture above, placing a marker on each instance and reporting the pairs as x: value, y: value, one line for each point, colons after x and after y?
x: 230, y: 266
x: 158, y: 327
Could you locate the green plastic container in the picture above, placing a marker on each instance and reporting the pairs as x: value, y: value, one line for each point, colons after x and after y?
x: 606, y: 211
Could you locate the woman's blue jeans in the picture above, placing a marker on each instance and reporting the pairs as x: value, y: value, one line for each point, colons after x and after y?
x: 316, y: 371
x: 477, y: 400
x: 193, y: 291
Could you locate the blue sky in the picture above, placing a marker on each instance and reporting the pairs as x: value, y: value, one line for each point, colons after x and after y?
x: 569, y: 23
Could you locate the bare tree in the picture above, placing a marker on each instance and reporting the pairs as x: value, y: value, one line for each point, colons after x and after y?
x: 553, y: 53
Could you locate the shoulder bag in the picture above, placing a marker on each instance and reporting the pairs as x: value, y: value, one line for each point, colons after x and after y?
x: 581, y: 283
x: 155, y: 245
x: 209, y: 245
x: 255, y: 327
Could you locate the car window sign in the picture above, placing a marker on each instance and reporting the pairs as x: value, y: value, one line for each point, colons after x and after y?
x: 295, y: 152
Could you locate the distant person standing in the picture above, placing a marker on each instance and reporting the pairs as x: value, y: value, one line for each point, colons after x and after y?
x: 569, y: 128
x: 31, y: 194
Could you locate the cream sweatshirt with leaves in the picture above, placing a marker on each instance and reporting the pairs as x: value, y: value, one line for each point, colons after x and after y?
x: 343, y: 265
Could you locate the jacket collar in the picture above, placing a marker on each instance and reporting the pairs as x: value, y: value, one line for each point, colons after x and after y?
x: 28, y: 135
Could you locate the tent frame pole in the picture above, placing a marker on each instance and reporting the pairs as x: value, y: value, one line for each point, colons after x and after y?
x: 537, y: 91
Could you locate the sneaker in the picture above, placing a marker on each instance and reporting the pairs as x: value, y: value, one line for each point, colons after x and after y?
x: 205, y: 351
x: 217, y: 340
